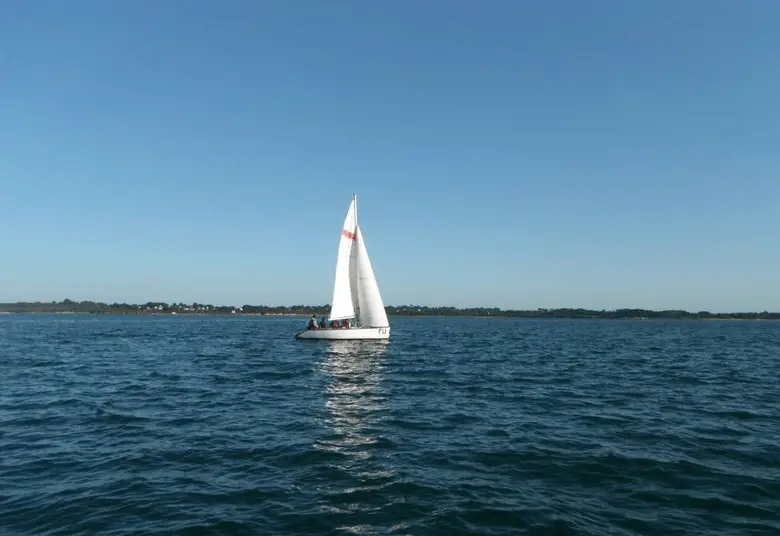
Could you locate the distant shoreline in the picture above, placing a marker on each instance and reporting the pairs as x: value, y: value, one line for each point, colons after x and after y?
x: 196, y: 309
x: 692, y: 318
x: 97, y: 313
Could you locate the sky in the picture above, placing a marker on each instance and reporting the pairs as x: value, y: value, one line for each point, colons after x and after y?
x: 505, y: 154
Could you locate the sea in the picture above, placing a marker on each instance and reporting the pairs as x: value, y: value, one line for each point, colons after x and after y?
x: 198, y: 425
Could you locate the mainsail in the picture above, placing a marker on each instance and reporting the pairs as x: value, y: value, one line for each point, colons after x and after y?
x: 344, y: 298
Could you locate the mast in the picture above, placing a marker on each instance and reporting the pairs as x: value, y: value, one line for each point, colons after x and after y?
x: 357, y: 264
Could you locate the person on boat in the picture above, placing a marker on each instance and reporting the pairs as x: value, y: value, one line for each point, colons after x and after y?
x: 334, y: 324
x: 312, y: 322
x: 345, y: 324
x: 323, y: 325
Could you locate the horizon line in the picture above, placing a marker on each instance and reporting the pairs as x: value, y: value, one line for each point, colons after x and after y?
x: 68, y: 301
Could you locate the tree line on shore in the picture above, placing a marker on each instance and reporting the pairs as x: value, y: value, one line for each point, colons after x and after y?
x: 91, y: 307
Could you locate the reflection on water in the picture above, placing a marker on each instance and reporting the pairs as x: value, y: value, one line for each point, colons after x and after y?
x: 355, y: 402
x: 354, y: 397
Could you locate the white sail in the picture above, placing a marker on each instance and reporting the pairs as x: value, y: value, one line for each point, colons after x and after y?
x: 343, y: 303
x: 355, y: 290
x: 353, y: 271
x: 372, y: 310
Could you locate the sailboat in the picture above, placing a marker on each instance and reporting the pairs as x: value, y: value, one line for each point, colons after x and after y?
x: 355, y: 290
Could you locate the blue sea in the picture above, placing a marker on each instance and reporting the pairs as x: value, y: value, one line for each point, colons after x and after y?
x: 227, y: 425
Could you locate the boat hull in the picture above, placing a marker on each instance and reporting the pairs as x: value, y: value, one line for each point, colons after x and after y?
x: 344, y: 334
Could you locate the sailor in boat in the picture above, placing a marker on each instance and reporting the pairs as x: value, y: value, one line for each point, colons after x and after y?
x: 312, y: 322
x: 345, y: 324
x: 323, y: 325
x: 334, y: 324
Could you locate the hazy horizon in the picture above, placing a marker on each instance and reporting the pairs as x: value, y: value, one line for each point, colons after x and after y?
x: 307, y: 304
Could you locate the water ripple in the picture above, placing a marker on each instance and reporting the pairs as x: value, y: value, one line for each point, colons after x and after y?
x: 457, y: 426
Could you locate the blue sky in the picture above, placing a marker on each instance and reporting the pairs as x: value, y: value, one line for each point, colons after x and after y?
x: 512, y: 154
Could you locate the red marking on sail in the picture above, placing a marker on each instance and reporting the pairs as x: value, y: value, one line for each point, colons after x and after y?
x: 349, y: 235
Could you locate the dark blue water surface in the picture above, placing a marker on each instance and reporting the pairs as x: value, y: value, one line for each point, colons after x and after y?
x: 208, y: 425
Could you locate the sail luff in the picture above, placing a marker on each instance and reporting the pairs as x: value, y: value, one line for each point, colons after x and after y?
x: 353, y: 279
x: 355, y: 272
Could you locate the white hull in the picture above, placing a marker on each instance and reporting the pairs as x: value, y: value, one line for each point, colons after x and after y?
x: 344, y: 334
